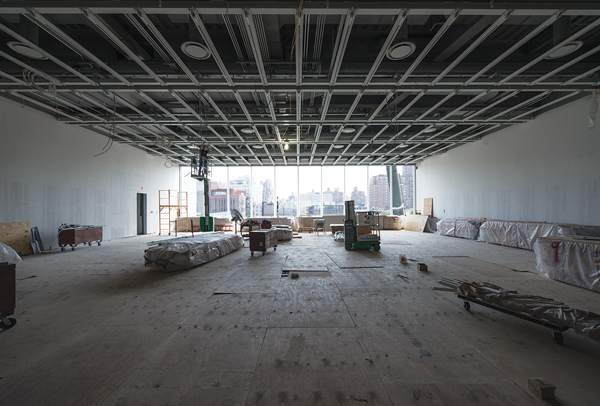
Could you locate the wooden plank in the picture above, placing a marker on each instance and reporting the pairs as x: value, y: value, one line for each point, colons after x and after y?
x: 309, y: 302
x: 413, y: 222
x: 17, y: 235
x: 428, y: 206
x: 317, y: 366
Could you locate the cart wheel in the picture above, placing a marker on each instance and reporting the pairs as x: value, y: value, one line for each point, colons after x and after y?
x: 263, y: 253
x: 376, y: 247
x: 73, y: 249
x: 275, y: 249
x: 251, y: 253
x: 62, y: 248
x: 466, y: 305
x: 348, y: 247
x: 5, y: 326
x: 99, y: 243
x: 558, y: 338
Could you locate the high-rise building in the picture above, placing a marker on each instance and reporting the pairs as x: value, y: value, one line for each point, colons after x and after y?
x: 311, y: 198
x: 359, y: 197
x: 333, y: 196
x: 379, y: 193
x: 407, y: 183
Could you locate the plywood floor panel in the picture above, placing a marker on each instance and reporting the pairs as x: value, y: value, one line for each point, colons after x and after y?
x: 202, y: 356
x: 234, y: 310
x: 315, y: 366
x: 177, y: 396
x: 309, y: 302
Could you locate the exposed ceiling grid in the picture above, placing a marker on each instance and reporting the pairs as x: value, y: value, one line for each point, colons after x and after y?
x: 343, y: 83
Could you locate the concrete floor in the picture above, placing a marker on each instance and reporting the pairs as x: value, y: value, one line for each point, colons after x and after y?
x: 96, y: 328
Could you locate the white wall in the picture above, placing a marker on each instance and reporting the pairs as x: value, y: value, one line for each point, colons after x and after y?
x: 544, y: 170
x: 48, y: 176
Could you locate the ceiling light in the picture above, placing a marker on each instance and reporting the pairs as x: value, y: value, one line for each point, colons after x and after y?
x: 337, y: 146
x: 403, y: 145
x: 25, y: 50
x: 401, y: 50
x: 430, y: 130
x: 286, y: 146
x: 565, y: 50
x: 195, y: 50
x: 248, y: 130
x: 348, y: 130
x: 257, y: 146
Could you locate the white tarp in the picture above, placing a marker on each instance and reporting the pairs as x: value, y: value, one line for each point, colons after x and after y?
x: 189, y: 252
x: 571, y: 260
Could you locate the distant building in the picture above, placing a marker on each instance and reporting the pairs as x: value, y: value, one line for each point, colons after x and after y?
x: 407, y: 184
x: 288, y: 206
x: 268, y: 209
x: 359, y: 197
x: 309, y: 199
x: 333, y: 196
x: 218, y: 201
x: 379, y: 193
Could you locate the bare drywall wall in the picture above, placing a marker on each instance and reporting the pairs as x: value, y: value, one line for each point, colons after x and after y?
x: 544, y: 170
x: 49, y: 176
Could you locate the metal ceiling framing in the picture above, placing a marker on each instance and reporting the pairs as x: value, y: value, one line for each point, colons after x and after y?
x: 475, y: 70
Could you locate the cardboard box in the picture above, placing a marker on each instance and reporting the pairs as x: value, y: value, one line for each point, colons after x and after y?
x: 543, y: 390
x: 363, y: 230
x: 422, y: 267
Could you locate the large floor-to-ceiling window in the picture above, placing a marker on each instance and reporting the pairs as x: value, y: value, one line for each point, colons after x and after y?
x: 286, y: 186
x: 289, y: 191
x: 310, y: 190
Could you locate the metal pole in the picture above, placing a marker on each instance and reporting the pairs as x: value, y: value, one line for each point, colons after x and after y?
x: 206, y: 205
x: 344, y: 199
x: 368, y: 192
x: 321, y: 211
x: 298, y: 191
x: 228, y: 193
x: 251, y: 194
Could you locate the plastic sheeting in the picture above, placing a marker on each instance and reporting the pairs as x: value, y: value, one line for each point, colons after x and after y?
x: 463, y: 228
x: 522, y: 234
x: 187, y: 253
x: 431, y: 225
x: 9, y: 255
x: 572, y: 260
x: 284, y: 233
x: 499, y: 232
x: 582, y: 321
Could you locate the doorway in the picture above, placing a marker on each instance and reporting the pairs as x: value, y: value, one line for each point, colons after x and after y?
x: 141, y: 213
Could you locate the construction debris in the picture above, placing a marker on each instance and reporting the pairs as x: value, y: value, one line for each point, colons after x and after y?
x: 542, y: 389
x: 422, y: 267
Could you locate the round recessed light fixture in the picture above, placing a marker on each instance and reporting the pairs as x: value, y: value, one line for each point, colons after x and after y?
x: 195, y: 50
x: 257, y: 146
x: 25, y: 50
x: 348, y: 130
x: 430, y: 130
x: 337, y: 146
x: 248, y: 130
x: 565, y: 50
x: 286, y: 146
x: 401, y: 50
x: 403, y: 145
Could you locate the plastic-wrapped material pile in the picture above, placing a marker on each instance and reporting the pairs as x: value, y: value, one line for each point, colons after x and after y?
x: 499, y: 232
x: 522, y: 234
x: 573, y: 260
x: 284, y: 233
x: 582, y: 321
x: 9, y: 255
x: 463, y: 228
x: 189, y: 252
